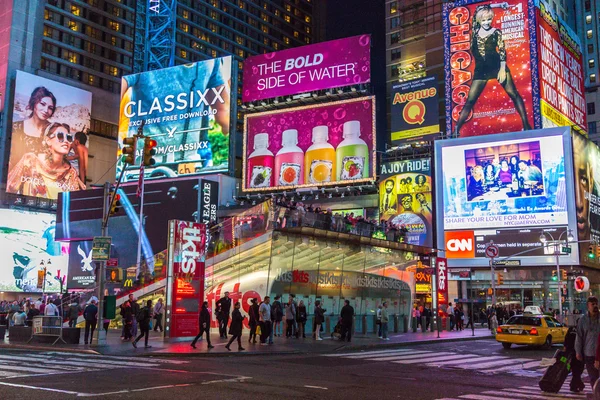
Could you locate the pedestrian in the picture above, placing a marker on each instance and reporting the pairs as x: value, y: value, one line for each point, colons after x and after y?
x: 127, y: 317
x: 379, y: 321
x: 253, y: 320
x: 450, y: 314
x: 319, y: 319
x: 135, y: 309
x: 90, y: 314
x: 277, y: 316
x: 469, y: 320
x: 294, y: 323
x: 73, y: 314
x: 159, y: 308
x: 264, y: 312
x: 204, y: 324
x: 347, y: 315
x: 33, y: 312
x: 144, y: 317
x: 290, y: 317
x: 493, y: 323
x: 427, y: 315
x: 223, y: 310
x: 19, y: 318
x: 416, y: 314
x: 577, y: 366
x: 384, y: 321
x: 301, y: 318
x: 235, y: 330
x: 50, y: 310
x: 588, y: 329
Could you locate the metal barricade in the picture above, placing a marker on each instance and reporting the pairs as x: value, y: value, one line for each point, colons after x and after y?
x: 46, y: 325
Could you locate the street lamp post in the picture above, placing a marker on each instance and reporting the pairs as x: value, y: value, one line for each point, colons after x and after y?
x: 557, y: 244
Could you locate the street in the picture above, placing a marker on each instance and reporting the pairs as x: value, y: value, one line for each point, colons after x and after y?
x: 477, y: 370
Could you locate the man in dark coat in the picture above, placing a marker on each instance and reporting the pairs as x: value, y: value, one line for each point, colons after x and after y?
x: 143, y: 318
x: 224, y: 307
x: 204, y: 325
x: 253, y: 320
x: 347, y: 315
x: 235, y: 330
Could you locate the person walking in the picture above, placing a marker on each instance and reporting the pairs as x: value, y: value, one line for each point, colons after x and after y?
x: 135, y: 309
x: 159, y: 308
x: 204, y: 324
x: 347, y: 315
x: 74, y: 309
x: 277, y: 317
x: 253, y: 320
x: 144, y: 317
x: 264, y: 312
x: 385, y: 318
x: 379, y: 321
x: 319, y: 319
x: 301, y: 318
x: 127, y: 317
x: 224, y: 308
x: 588, y: 329
x: 290, y: 317
x: 493, y: 325
x: 235, y: 330
x: 577, y: 366
x: 450, y: 314
x: 90, y: 314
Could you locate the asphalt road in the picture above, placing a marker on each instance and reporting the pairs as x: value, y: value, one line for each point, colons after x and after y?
x: 477, y: 370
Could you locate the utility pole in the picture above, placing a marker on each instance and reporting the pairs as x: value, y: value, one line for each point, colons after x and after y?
x: 102, y: 264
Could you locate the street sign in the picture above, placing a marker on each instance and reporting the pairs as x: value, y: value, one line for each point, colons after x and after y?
x: 464, y: 274
x: 101, y: 248
x: 112, y: 262
x: 566, y: 250
x: 429, y: 271
x: 492, y: 251
x: 508, y: 263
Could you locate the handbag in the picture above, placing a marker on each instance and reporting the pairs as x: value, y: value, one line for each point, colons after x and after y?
x: 258, y: 331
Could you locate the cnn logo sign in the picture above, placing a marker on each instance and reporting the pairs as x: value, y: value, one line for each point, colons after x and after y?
x: 460, y: 244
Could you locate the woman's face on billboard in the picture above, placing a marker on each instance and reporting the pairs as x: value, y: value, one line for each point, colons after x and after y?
x: 44, y: 108
x: 58, y: 142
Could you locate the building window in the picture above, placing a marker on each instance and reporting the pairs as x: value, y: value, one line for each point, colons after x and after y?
x: 588, y: 19
x: 589, y: 34
x: 287, y: 18
x: 92, y: 80
x: 286, y: 40
x: 591, y: 108
x: 393, y: 7
x: 395, y: 38
x: 592, y: 78
x: 185, y: 14
x: 72, y: 57
x: 241, y: 53
x: 395, y: 71
x: 115, y: 26
x: 183, y: 53
x: 75, y: 10
x: 288, y: 7
x: 592, y: 128
x: 394, y: 22
x: 588, y: 5
x: 184, y: 27
x: 590, y: 48
x: 73, y: 26
x: 396, y: 54
x: 296, y: 34
x: 591, y: 63
x: 47, y: 31
x: 307, y: 19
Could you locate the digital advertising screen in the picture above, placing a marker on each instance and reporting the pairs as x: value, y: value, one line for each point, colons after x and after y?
x: 332, y: 64
x: 310, y: 146
x: 27, y: 246
x: 508, y: 188
x: 48, y: 153
x: 405, y: 198
x: 561, y: 71
x: 488, y: 67
x: 586, y: 168
x: 415, y: 109
x: 187, y: 110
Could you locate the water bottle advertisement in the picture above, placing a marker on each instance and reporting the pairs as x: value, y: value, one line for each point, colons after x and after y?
x: 310, y: 146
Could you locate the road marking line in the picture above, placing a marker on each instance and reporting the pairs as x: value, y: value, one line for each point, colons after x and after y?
x: 391, y: 354
x: 483, y: 397
x: 464, y: 360
x: 132, y: 390
x: 238, y: 379
x: 315, y: 387
x: 406, y: 356
x: 364, y: 353
x: 424, y: 360
x: 108, y: 357
x: 492, y: 363
x: 541, y: 395
x: 37, y: 388
x: 515, y: 367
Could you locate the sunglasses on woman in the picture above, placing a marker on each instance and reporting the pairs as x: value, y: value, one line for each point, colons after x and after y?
x: 61, y: 137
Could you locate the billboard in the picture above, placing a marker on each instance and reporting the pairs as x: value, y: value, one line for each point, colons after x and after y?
x: 415, y: 109
x: 337, y: 63
x: 185, y: 281
x: 187, y: 110
x: 501, y: 188
x: 405, y: 189
x: 488, y: 68
x: 562, y: 90
x: 48, y: 151
x: 27, y: 246
x: 310, y: 146
x: 586, y: 167
x: 441, y: 276
x: 209, y: 201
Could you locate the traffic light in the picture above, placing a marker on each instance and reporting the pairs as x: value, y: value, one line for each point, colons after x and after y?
x: 114, y: 274
x: 500, y: 279
x: 149, y: 151
x: 591, y: 252
x: 554, y: 277
x: 129, y: 147
x: 115, y: 204
x: 563, y: 274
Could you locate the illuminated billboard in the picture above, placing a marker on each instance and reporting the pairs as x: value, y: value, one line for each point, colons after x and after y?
x: 586, y: 168
x: 311, y: 146
x: 48, y: 153
x: 337, y: 63
x: 405, y: 198
x: 562, y: 90
x: 27, y: 247
x: 415, y: 109
x: 187, y: 110
x: 507, y: 188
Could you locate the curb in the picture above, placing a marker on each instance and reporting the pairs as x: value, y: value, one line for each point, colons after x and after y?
x: 21, y: 347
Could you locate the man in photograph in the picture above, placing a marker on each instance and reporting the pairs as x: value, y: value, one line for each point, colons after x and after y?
x: 584, y: 182
x: 79, y: 155
x: 389, y: 199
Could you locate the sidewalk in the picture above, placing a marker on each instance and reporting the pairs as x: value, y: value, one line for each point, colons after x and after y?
x: 181, y: 348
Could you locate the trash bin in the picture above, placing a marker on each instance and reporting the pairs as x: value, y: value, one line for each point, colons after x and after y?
x: 396, y: 323
x: 423, y: 324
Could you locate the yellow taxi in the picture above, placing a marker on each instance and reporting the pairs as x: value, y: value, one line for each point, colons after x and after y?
x: 532, y: 330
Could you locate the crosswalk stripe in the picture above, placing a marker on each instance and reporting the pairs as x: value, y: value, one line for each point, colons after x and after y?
x: 80, y: 362
x: 540, y: 394
x: 383, y: 357
x: 366, y: 353
x: 516, y: 366
x: 100, y: 356
x: 436, y: 358
x: 563, y: 390
x: 465, y: 360
x: 492, y: 363
x: 28, y: 369
x: 408, y: 356
x: 484, y: 397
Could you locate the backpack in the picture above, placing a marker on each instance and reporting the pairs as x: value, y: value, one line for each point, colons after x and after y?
x: 141, y: 315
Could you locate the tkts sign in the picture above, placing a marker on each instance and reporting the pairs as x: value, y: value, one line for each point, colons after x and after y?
x: 442, y: 283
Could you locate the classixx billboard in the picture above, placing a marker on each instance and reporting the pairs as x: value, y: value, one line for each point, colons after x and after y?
x: 337, y: 63
x: 415, y: 109
x: 310, y: 146
x: 187, y: 110
x: 48, y: 153
x: 501, y: 188
x: 488, y: 71
x: 405, y: 198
